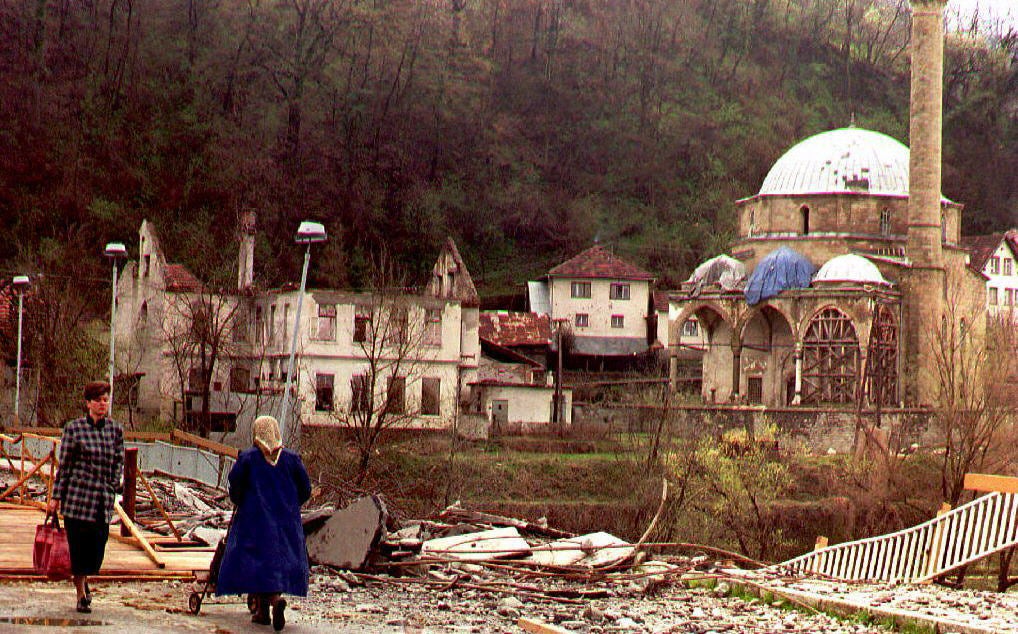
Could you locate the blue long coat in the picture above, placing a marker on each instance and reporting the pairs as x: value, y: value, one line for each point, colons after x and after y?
x: 265, y: 549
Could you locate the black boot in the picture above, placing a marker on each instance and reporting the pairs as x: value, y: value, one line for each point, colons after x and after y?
x: 278, y: 616
x: 261, y: 613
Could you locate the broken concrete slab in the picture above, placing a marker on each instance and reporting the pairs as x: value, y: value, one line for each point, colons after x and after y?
x: 346, y: 539
x: 497, y: 543
x: 594, y: 549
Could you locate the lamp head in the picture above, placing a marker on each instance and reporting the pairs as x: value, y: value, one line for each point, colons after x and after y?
x: 310, y: 232
x: 115, y: 250
x: 21, y: 282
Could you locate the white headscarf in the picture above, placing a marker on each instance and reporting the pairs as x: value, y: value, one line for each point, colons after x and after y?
x: 267, y: 438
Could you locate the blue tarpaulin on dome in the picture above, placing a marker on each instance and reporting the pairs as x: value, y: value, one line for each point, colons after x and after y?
x: 780, y: 269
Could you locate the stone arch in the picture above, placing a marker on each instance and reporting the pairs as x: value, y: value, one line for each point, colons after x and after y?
x: 767, y: 351
x: 830, y: 358
x: 717, y: 360
x: 882, y: 357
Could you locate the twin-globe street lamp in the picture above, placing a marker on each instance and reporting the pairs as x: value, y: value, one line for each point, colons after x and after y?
x: 307, y: 233
x: 114, y: 251
x: 20, y: 282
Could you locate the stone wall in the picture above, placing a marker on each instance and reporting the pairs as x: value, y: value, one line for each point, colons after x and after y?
x: 813, y: 430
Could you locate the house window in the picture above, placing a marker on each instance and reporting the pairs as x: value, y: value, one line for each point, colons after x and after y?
x: 259, y: 326
x: 395, y: 398
x: 618, y: 321
x: 690, y: 328
x: 148, y: 265
x: 361, y: 324
x: 272, y: 324
x: 360, y: 400
x: 143, y: 315
x: 995, y: 265
x: 752, y: 221
x: 619, y: 291
x: 1008, y: 266
x: 993, y: 296
x: 804, y: 210
x: 399, y: 326
x: 1008, y: 297
x: 431, y: 391
x: 286, y: 321
x: 324, y: 384
x: 326, y: 330
x: 579, y: 289
x: 239, y: 379
x: 885, y: 222
x: 582, y: 320
x: 433, y: 327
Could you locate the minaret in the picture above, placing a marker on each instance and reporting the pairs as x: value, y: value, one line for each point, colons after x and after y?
x: 924, y: 243
x: 245, y: 257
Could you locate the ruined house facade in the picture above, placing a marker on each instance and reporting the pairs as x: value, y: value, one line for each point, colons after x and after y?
x: 423, y: 347
x: 851, y: 337
x: 996, y: 257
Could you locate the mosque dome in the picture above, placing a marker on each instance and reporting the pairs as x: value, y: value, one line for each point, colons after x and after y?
x: 850, y: 268
x: 847, y: 160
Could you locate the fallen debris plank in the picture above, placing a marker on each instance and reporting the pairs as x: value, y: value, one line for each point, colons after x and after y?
x: 205, y: 443
x: 136, y: 532
x: 595, y: 549
x: 492, y: 544
x: 539, y: 627
x: 990, y: 483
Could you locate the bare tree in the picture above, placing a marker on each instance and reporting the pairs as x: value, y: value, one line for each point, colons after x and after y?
x: 197, y: 329
x: 394, y: 333
x: 974, y: 408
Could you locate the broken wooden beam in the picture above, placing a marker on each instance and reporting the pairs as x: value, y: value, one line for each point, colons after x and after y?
x: 136, y: 533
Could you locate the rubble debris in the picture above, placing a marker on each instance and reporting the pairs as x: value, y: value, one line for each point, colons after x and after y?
x: 346, y: 538
x: 456, y: 513
x: 483, y: 545
x: 595, y: 549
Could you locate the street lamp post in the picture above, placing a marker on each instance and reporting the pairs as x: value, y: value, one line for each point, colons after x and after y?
x: 114, y: 251
x: 20, y: 282
x: 308, y: 233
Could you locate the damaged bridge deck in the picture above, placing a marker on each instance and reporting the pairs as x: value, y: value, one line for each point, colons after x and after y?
x: 125, y: 558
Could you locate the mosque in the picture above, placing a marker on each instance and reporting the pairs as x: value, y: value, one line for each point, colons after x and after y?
x: 847, y: 271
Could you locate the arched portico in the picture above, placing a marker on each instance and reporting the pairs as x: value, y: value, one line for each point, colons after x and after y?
x: 767, y: 346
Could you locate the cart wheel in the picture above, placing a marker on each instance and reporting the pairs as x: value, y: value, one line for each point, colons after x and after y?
x: 252, y: 603
x: 194, y: 603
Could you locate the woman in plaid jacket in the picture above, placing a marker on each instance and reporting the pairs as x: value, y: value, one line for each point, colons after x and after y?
x: 87, y: 484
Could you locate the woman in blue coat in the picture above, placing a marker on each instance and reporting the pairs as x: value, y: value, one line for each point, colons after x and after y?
x: 265, y: 553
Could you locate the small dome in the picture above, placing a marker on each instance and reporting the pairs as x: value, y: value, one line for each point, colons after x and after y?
x: 847, y: 160
x: 723, y: 270
x: 850, y: 268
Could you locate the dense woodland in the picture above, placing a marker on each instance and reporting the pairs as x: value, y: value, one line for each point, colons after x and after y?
x: 526, y: 129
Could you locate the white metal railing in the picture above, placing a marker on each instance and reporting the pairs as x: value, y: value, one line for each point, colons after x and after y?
x: 982, y: 527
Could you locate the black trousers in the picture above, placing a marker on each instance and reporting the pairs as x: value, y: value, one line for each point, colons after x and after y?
x: 87, y: 543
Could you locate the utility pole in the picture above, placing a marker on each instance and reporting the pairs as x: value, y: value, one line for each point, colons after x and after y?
x: 556, y: 414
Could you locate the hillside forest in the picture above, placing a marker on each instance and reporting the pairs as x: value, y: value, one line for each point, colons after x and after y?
x: 525, y: 129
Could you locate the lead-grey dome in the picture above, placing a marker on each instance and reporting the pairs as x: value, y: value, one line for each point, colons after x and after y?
x: 847, y: 160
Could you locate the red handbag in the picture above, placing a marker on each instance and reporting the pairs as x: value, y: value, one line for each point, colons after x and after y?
x: 50, y: 555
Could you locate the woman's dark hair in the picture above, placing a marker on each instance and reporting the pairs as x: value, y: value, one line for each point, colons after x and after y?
x: 96, y: 389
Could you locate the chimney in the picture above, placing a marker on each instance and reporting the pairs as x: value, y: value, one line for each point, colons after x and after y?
x: 926, y: 279
x: 245, y: 257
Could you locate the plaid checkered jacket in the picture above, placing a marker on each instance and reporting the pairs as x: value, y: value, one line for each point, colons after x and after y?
x: 91, y: 469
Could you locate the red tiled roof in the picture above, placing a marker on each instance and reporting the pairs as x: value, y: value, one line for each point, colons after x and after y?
x: 981, y: 248
x: 599, y: 262
x: 178, y: 278
x: 515, y: 329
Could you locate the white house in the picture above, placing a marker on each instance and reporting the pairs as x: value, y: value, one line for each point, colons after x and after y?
x: 604, y: 301
x: 996, y: 257
x: 416, y: 353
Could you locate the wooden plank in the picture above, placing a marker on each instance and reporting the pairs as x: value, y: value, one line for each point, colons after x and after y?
x: 159, y: 505
x: 136, y: 532
x: 986, y: 483
x: 146, y: 436
x: 26, y: 476
x: 539, y: 627
x: 205, y: 443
